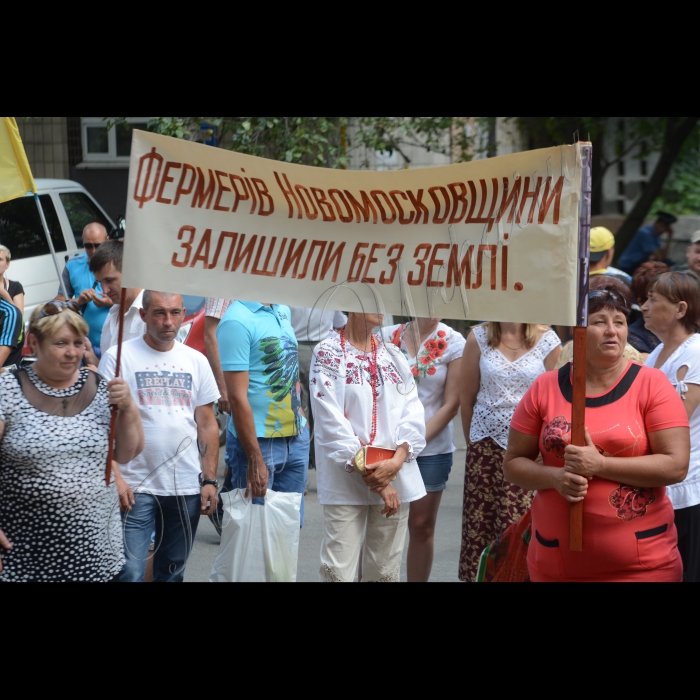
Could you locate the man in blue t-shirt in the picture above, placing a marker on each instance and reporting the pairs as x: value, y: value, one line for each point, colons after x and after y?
x: 81, y: 285
x: 268, y: 439
x: 647, y: 242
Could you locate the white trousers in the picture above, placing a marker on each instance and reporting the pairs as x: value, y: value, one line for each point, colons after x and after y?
x: 354, y: 531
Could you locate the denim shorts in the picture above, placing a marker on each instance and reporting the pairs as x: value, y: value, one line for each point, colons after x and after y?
x: 436, y: 471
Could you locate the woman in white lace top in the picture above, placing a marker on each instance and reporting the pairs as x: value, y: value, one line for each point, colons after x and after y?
x: 500, y: 364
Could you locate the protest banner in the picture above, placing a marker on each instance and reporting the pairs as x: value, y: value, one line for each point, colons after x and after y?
x: 495, y: 239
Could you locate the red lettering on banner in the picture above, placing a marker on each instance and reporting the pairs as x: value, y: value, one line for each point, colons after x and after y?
x: 360, y: 258
x: 293, y: 258
x: 394, y: 263
x: 252, y: 194
x: 202, y: 196
x: 421, y: 264
x: 494, y: 201
x: 395, y: 194
x: 235, y: 179
x: 345, y: 218
x: 493, y: 252
x: 202, y: 254
x: 246, y: 254
x: 376, y: 194
x: 182, y: 190
x: 363, y: 209
x: 166, y: 181
x: 435, y: 262
x: 222, y: 189
x: 417, y: 202
x: 554, y: 197
x: 534, y: 196
x: 371, y: 260
x: 331, y: 258
x: 460, y: 274
x: 185, y: 245
x: 289, y: 195
x: 323, y: 204
x: 504, y: 270
x: 264, y: 195
x: 222, y: 238
x: 509, y: 200
x: 458, y: 198
x: 265, y: 272
x: 437, y: 219
x: 315, y: 244
x: 301, y: 190
x: 150, y: 158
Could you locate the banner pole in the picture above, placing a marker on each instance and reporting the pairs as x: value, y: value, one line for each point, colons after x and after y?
x: 47, y: 233
x: 115, y: 410
x: 578, y: 418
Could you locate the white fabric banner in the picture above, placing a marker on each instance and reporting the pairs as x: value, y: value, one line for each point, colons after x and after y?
x: 489, y: 240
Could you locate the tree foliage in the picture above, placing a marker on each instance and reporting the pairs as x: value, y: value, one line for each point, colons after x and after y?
x: 323, y: 141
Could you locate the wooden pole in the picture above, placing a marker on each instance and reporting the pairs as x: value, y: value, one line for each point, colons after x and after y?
x: 578, y: 417
x: 115, y: 410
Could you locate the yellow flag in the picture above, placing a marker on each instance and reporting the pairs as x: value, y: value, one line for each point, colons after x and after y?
x: 16, y: 177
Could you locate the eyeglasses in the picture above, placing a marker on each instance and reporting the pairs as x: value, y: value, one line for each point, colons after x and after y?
x: 605, y: 293
x: 53, y: 308
x: 91, y: 246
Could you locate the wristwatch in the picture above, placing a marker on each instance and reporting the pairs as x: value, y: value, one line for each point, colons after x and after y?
x: 208, y: 482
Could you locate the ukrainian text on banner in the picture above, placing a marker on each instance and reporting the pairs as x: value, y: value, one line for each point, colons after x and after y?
x: 490, y: 240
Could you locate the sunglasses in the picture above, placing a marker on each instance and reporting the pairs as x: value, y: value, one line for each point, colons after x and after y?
x: 606, y: 294
x: 91, y: 246
x: 53, y: 308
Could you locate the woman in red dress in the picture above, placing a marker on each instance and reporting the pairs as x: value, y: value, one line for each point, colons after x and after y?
x: 638, y: 443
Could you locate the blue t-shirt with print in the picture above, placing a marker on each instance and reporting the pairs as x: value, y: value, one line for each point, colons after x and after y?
x: 260, y: 340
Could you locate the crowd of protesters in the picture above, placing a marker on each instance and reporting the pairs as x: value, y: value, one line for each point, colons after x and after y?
x: 306, y: 388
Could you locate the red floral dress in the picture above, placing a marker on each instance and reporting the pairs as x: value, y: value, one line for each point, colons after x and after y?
x: 629, y: 533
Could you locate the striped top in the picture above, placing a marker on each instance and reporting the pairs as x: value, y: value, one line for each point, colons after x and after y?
x: 11, y: 332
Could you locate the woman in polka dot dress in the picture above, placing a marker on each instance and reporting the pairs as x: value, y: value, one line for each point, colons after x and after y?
x: 59, y: 521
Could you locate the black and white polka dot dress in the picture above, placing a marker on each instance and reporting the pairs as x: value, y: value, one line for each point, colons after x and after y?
x: 55, y: 508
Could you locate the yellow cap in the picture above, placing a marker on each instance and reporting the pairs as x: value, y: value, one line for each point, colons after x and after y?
x: 602, y: 240
x: 696, y: 238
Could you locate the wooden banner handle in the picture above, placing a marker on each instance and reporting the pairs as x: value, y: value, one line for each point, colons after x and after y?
x: 115, y: 410
x: 578, y: 429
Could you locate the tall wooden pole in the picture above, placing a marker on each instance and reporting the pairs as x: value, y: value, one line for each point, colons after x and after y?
x: 578, y: 418
x: 117, y: 372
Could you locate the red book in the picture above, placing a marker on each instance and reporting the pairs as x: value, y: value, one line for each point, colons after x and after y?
x: 375, y: 455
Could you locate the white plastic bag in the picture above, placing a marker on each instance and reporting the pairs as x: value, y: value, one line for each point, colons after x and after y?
x: 259, y: 544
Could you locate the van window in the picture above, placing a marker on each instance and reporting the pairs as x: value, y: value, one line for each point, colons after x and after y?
x: 81, y: 211
x: 22, y: 232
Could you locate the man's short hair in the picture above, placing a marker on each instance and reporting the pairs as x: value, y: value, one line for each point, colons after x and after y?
x: 109, y: 252
x: 98, y: 224
x: 148, y: 293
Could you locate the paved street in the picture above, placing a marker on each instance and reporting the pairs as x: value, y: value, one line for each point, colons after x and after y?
x: 447, y: 546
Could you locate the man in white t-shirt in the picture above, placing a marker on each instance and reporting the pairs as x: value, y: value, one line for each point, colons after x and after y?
x: 173, y: 482
x: 106, y: 265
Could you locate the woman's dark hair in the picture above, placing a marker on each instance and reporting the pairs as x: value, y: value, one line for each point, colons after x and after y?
x: 617, y: 298
x: 109, y: 252
x: 644, y: 277
x: 678, y: 287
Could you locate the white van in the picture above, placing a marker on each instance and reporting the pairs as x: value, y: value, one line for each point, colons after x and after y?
x: 69, y: 208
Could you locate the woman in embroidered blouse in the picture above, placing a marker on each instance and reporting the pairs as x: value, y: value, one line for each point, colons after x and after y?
x: 501, y: 362
x: 672, y: 313
x: 434, y: 353
x: 637, y: 444
x: 363, y: 393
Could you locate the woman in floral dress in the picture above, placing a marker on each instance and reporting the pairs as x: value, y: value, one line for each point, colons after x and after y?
x: 501, y: 362
x: 434, y: 353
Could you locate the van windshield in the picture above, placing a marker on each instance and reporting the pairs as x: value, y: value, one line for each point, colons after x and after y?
x: 81, y: 211
x: 22, y: 232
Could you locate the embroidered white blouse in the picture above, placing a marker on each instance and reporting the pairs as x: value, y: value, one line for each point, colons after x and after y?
x: 687, y: 494
x: 341, y: 397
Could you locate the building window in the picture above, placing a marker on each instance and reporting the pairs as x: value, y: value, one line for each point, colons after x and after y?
x: 104, y: 147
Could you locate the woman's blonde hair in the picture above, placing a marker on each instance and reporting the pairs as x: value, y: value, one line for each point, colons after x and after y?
x: 48, y: 326
x: 532, y: 334
x: 7, y: 252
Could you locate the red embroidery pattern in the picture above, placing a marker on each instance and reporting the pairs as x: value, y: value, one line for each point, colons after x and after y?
x: 557, y: 437
x: 631, y: 503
